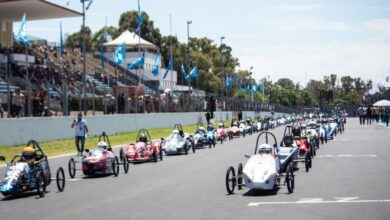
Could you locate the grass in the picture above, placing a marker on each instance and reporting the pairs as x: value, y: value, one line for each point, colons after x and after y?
x: 54, y: 148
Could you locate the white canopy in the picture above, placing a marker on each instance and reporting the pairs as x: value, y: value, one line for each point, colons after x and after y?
x: 382, y: 103
x: 130, y: 40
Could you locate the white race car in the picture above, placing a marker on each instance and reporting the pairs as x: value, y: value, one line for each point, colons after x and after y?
x: 265, y: 169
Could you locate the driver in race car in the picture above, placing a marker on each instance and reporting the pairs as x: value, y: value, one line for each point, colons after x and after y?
x: 142, y: 138
x: 29, y: 155
x: 296, y: 130
x: 102, y: 146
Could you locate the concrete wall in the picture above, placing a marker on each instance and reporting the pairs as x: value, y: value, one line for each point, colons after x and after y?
x: 21, y: 130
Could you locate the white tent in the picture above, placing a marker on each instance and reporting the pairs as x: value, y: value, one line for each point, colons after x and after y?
x: 382, y: 103
x: 130, y: 40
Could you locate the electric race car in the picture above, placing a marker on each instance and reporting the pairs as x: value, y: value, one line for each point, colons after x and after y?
x: 222, y: 133
x: 265, y: 169
x: 235, y: 131
x: 143, y: 150
x: 178, y: 142
x: 98, y: 162
x: 200, y: 136
x: 29, y: 172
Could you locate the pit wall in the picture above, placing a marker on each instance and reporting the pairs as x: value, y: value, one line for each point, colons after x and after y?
x: 20, y: 131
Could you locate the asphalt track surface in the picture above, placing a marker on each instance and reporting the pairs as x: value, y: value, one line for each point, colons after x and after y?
x: 349, y: 180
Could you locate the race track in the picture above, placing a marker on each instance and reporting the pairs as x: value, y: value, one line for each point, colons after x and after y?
x: 349, y: 180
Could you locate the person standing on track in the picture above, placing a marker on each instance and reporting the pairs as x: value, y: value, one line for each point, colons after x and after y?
x: 81, y: 131
x: 387, y: 116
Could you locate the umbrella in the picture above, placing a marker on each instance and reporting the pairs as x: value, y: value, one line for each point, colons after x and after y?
x: 382, y: 103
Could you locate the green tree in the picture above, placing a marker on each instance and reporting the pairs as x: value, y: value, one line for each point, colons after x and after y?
x: 100, y: 36
x: 286, y: 83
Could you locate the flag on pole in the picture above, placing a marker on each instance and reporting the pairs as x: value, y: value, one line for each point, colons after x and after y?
x: 120, y: 54
x: 183, y: 71
x: 261, y: 89
x: 61, y: 43
x: 156, y: 66
x: 240, y: 88
x: 22, y: 35
x: 254, y: 88
x: 139, y: 62
x: 140, y: 21
x: 168, y: 68
x: 247, y: 88
x: 193, y: 73
x: 228, y: 81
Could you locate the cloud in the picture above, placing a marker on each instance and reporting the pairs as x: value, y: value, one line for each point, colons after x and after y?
x: 378, y: 25
x: 306, y: 7
x: 380, y: 8
x: 288, y: 26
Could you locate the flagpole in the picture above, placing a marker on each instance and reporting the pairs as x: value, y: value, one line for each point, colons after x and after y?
x: 28, y: 84
x: 189, y: 62
x: 170, y: 31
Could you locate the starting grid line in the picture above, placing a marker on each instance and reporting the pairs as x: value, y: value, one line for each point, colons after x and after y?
x: 345, y: 155
x: 338, y: 200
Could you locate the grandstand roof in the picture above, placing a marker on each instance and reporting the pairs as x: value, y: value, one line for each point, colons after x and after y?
x: 12, y: 10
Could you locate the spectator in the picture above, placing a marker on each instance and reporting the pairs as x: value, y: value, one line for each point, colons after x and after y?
x: 361, y: 114
x: 17, y: 103
x: 208, y: 117
x: 81, y: 131
x: 369, y: 115
x: 387, y: 116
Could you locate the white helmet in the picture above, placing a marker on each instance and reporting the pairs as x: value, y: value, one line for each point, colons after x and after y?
x: 102, y: 145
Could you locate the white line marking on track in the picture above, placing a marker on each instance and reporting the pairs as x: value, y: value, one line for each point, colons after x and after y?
x: 320, y: 201
x: 345, y: 155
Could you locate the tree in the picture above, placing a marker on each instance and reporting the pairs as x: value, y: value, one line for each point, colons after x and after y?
x: 100, y: 36
x: 75, y: 40
x: 129, y: 21
x: 286, y: 83
x: 347, y: 84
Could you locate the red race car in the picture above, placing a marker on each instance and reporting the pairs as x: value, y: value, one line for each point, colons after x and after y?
x: 143, y: 150
x: 222, y: 133
x: 100, y: 161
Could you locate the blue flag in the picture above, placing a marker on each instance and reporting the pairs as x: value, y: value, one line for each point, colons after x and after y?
x: 194, y: 72
x: 247, y: 88
x: 139, y: 62
x: 254, y: 88
x: 140, y: 21
x: 228, y: 81
x: 168, y: 68
x: 156, y: 66
x: 61, y: 43
x: 22, y: 35
x: 183, y: 71
x: 240, y: 88
x: 261, y: 89
x: 120, y: 54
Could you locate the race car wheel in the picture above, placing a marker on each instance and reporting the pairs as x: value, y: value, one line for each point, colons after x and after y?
x: 121, y: 155
x: 290, y: 179
x: 41, y: 185
x: 60, y: 179
x: 126, y: 166
x: 307, y: 162
x: 193, y: 148
x: 161, y: 154
x: 72, y: 168
x: 326, y: 139
x: 185, y: 149
x: 322, y: 140
x: 155, y: 156
x: 230, y: 180
x: 243, y: 134
x: 221, y: 140
x: 239, y: 176
x: 115, y: 166
x: 214, y: 143
x: 209, y: 144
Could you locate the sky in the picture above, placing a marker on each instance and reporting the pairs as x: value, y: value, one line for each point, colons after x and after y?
x: 297, y: 39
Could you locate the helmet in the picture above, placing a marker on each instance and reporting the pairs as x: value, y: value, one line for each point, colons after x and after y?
x: 220, y: 125
x: 201, y: 128
x: 209, y: 127
x: 143, y: 138
x: 296, y: 130
x: 102, y: 145
x: 288, y: 140
x: 28, y: 153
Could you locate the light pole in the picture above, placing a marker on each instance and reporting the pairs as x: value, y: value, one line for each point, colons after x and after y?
x: 221, y: 50
x: 189, y: 61
x: 84, y: 56
x: 250, y: 80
